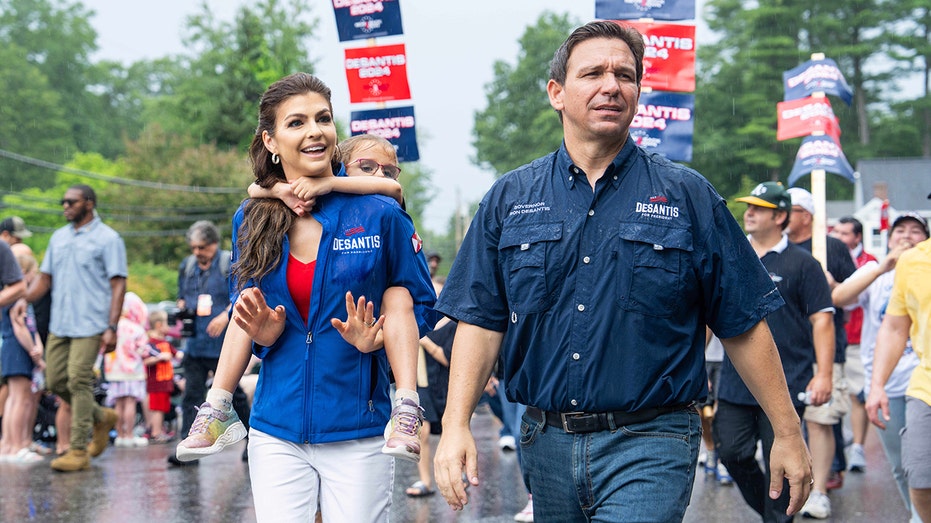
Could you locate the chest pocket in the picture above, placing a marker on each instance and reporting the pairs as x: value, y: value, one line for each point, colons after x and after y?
x: 522, y: 251
x: 653, y: 268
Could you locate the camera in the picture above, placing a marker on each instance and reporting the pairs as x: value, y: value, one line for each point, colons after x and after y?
x: 186, y: 317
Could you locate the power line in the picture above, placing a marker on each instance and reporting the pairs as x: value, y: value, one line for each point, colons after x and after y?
x: 128, y: 217
x: 122, y: 181
x: 108, y: 207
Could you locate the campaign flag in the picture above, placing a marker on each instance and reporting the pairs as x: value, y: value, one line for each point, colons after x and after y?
x: 377, y: 74
x: 669, y: 57
x: 361, y: 19
x: 816, y: 75
x: 397, y: 125
x: 820, y: 152
x: 664, y: 124
x: 811, y: 115
x: 655, y: 9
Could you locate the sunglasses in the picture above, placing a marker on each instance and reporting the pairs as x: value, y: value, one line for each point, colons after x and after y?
x: 71, y: 201
x: 371, y: 167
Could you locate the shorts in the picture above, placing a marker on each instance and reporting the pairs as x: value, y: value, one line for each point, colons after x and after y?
x: 160, y: 401
x: 916, y: 445
x: 832, y: 412
x: 853, y: 369
x: 14, y: 361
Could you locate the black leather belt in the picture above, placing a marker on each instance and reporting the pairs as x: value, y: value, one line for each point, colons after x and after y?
x: 585, y: 422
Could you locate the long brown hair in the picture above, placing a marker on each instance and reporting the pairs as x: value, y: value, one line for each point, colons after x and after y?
x: 267, y: 220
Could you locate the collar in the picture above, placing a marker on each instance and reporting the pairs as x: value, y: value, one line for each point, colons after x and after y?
x: 87, y: 226
x: 857, y: 251
x: 619, y: 167
x: 779, y: 247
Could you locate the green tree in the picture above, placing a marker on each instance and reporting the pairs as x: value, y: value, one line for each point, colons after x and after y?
x: 518, y: 124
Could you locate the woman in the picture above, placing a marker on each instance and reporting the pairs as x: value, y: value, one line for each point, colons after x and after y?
x: 321, y: 404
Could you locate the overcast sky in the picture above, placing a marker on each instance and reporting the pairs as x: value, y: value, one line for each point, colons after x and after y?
x: 451, y: 47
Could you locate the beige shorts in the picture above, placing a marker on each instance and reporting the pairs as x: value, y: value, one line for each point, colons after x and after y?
x: 832, y: 412
x: 853, y: 369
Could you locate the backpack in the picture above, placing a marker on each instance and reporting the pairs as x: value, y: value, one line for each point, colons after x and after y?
x: 225, y: 259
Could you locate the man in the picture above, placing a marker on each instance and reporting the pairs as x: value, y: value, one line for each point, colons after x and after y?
x: 908, y: 315
x: 203, y: 295
x: 850, y: 231
x: 823, y: 422
x: 803, y: 331
x: 870, y: 288
x: 85, y: 265
x: 594, y: 270
x: 13, y: 230
x: 433, y: 262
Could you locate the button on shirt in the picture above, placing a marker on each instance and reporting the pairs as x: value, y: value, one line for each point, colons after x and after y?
x: 604, y: 295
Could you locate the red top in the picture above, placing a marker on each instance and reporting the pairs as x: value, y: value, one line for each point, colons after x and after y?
x: 855, y: 318
x: 300, y: 282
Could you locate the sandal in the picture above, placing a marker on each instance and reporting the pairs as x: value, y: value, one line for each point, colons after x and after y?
x: 419, y: 490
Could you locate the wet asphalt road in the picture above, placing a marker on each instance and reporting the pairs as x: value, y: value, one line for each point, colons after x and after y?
x: 129, y: 485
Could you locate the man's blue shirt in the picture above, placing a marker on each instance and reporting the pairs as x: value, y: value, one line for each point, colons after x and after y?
x: 211, y: 281
x: 603, y: 296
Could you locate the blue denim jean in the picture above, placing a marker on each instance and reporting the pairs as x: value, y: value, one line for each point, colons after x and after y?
x: 639, y: 472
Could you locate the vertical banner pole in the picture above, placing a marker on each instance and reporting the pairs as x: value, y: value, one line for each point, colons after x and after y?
x: 819, y: 227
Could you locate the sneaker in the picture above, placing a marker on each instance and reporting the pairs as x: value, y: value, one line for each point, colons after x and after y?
x: 856, y: 459
x: 102, y: 428
x: 72, y: 461
x: 123, y: 442
x: 722, y: 475
x: 402, y: 434
x: 139, y: 441
x: 818, y: 506
x: 25, y: 457
x: 211, y: 432
x: 173, y: 460
x: 711, y: 464
x: 526, y: 514
x: 835, y: 481
x: 702, y: 456
x: 507, y: 442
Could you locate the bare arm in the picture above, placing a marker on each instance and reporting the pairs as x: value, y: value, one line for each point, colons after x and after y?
x: 282, y: 191
x: 306, y: 188
x: 474, y: 353
x: 890, y: 345
x: 822, y: 330
x: 12, y: 292
x: 38, y: 287
x: 755, y: 357
x: 117, y: 291
x: 848, y: 292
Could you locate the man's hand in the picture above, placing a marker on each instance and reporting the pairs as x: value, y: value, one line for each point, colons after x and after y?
x: 360, y: 328
x: 262, y: 323
x: 790, y: 460
x: 108, y: 341
x: 454, y: 455
x: 820, y: 387
x: 218, y: 324
x: 878, y: 400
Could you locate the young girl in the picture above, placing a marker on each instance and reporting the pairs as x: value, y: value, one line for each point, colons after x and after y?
x: 159, y: 375
x: 21, y: 355
x: 364, y: 155
x: 125, y: 371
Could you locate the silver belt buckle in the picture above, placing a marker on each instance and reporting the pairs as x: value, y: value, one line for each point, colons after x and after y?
x: 565, y: 424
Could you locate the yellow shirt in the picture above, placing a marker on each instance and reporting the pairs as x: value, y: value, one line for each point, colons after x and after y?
x: 911, y: 296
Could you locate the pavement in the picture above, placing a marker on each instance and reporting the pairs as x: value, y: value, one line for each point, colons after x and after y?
x: 130, y: 485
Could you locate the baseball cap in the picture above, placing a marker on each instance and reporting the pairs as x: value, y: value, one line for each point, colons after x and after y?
x: 803, y: 199
x: 909, y: 215
x: 771, y: 195
x: 16, y: 227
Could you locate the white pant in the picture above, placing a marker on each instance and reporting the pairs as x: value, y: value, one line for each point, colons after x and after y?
x: 352, y: 480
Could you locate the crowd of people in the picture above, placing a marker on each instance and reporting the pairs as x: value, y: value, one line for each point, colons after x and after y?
x: 655, y: 336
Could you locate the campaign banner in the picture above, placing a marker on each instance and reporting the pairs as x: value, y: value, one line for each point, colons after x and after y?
x: 397, y: 125
x: 377, y: 74
x: 820, y: 152
x: 361, y: 19
x: 805, y: 116
x: 664, y: 124
x: 655, y: 9
x: 669, y: 56
x: 813, y: 76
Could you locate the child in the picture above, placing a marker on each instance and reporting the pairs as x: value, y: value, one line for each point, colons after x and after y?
x: 159, y: 375
x: 364, y: 156
x: 21, y: 355
x: 125, y: 371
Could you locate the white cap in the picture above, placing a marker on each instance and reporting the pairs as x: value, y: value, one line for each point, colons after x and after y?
x: 803, y: 199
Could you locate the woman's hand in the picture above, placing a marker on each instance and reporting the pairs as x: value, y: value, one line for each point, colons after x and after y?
x: 360, y: 328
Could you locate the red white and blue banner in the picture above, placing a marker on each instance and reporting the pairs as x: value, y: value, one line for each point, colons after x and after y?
x: 397, y: 125
x: 669, y: 57
x: 806, y: 116
x: 377, y: 74
x: 820, y: 152
x: 361, y: 19
x: 813, y: 76
x: 664, y: 124
x: 655, y: 9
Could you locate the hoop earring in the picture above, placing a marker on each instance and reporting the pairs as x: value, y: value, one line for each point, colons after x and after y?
x: 275, y: 159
